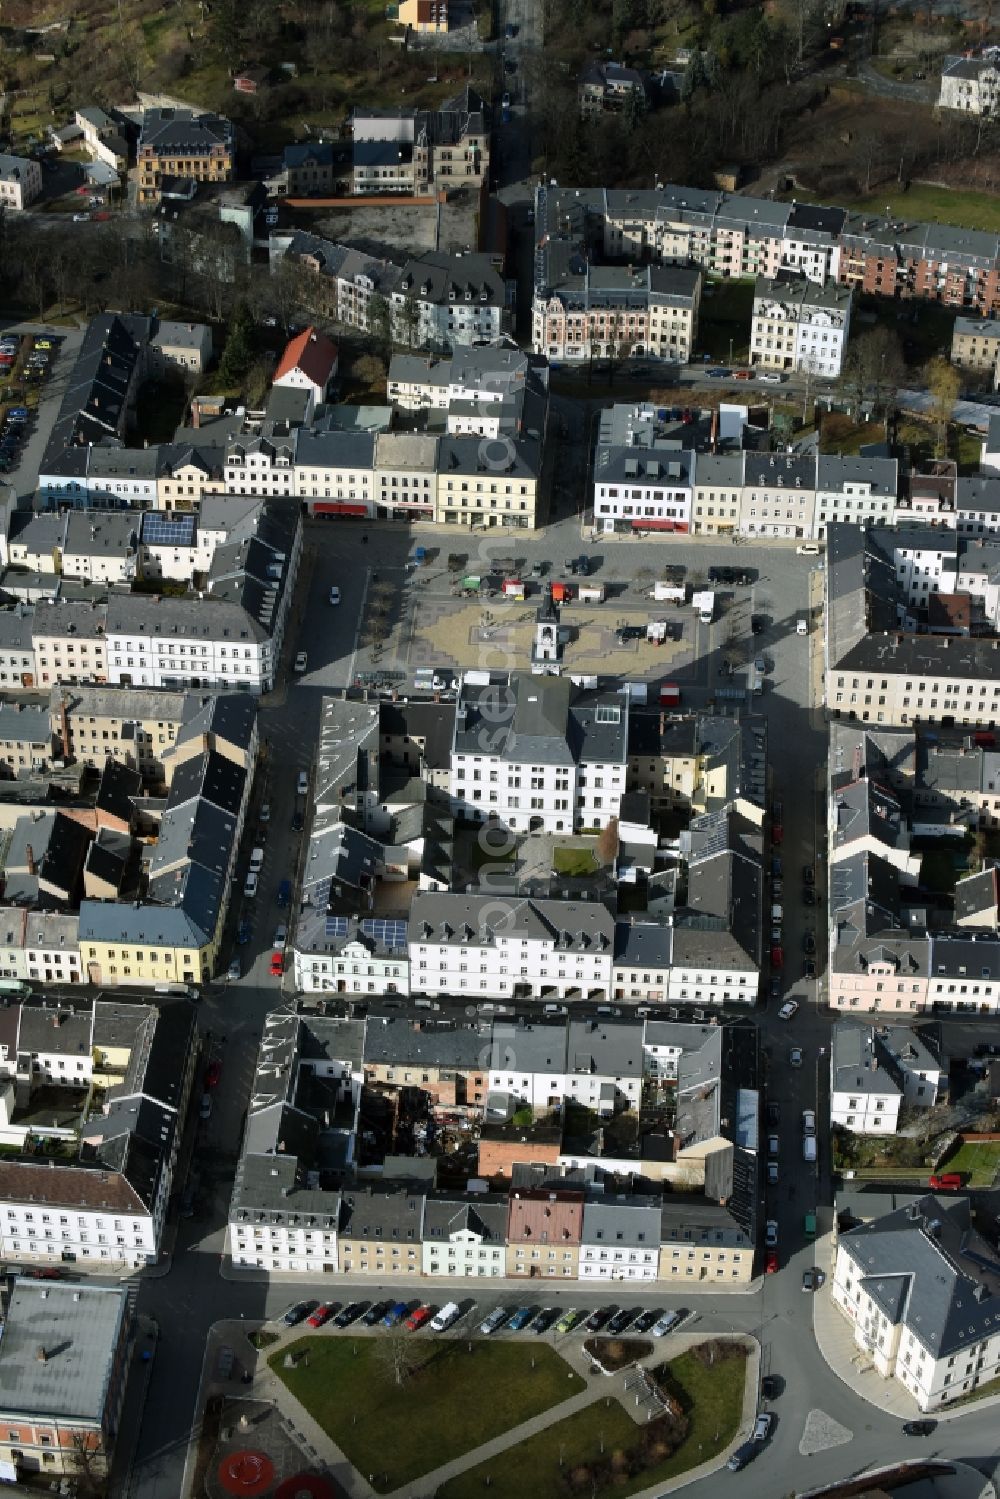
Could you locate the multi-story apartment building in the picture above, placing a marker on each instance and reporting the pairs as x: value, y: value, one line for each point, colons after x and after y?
x: 718, y: 494
x: 735, y: 235
x: 426, y: 17
x: 937, y: 1333
x: 466, y: 1237
x: 857, y: 491
x: 20, y: 181
x: 621, y: 1239
x: 585, y: 311
x: 642, y: 480
x: 100, y: 1198
x: 538, y: 753
x: 70, y: 643
x: 473, y: 944
x: 179, y: 147
x: 380, y: 1232
x: 25, y: 740
x: 172, y: 935
x: 971, y: 84
x: 449, y: 1066
x: 443, y: 302
x: 878, y: 669
x: 307, y: 1085
x: 418, y: 151
x: 544, y: 1232
x: 874, y: 1071
x: 64, y: 1365
x: 975, y: 344
x: 779, y: 495
x: 17, y: 652
x: 799, y: 324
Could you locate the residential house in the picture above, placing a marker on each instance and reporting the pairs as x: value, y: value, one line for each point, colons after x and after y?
x: 466, y: 1237
x: 971, y: 84
x: 309, y: 363
x: 544, y: 1233
x: 610, y: 88
x: 800, y: 325
x: 620, y: 1238
x: 20, y: 182
x: 381, y: 1232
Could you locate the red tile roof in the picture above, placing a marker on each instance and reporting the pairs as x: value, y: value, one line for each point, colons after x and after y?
x: 312, y: 353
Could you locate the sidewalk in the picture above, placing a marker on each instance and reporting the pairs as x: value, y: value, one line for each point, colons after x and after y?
x: 835, y: 1341
x: 318, y: 1448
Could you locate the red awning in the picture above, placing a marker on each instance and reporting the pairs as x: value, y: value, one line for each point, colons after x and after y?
x: 331, y: 507
x: 657, y: 525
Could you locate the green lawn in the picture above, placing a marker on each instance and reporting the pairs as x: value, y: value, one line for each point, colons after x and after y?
x: 574, y: 861
x: 979, y: 1160
x: 712, y: 1400
x: 945, y: 205
x: 452, y: 1403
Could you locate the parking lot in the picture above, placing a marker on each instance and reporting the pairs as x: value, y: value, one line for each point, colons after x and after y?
x: 38, y: 387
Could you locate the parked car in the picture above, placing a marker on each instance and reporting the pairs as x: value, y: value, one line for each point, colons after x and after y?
x: 771, y: 1233
x: 322, y: 1314
x: 945, y: 1181
x: 496, y: 1318
x: 233, y: 971
x: 809, y: 944
x: 808, y: 896
x: 808, y: 875
x: 334, y: 595
x: 808, y: 1122
x: 284, y: 894
x: 417, y: 1319
x: 599, y: 1319
x: 772, y: 1173
x: 395, y: 1314
x: 244, y: 933
x: 568, y: 1320
x: 280, y: 937
x: 646, y: 1320
x: 277, y: 964
x: 812, y: 1279
x: 621, y: 1320
x: 205, y: 1107
x: 301, y: 661
x: 351, y: 1312
x: 449, y: 1313
x: 769, y: 1387
x: 795, y: 1056
x: 666, y: 1324
x: 250, y: 885
x: 808, y: 969
x: 919, y: 1428
x: 773, y: 1147
x: 520, y: 1319
x: 771, y: 1263
x: 742, y: 1456
x: 788, y: 1009
x: 762, y: 1427
x: 773, y: 1112
x: 297, y: 1313
x: 213, y: 1072
x: 375, y: 1313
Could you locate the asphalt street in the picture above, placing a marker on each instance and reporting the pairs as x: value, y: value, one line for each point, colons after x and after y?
x: 192, y: 1296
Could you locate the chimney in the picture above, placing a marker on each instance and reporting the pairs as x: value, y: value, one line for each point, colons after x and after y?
x: 41, y: 1355
x: 64, y: 727
x: 32, y: 867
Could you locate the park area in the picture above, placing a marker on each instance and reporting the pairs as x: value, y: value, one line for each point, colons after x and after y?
x: 453, y: 1397
x: 601, y: 1450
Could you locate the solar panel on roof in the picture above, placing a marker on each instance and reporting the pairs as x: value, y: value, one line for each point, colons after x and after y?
x: 168, y: 530
x: 336, y: 926
x: 392, y: 933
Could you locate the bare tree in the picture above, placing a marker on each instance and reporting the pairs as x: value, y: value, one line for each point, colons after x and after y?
x: 398, y: 1355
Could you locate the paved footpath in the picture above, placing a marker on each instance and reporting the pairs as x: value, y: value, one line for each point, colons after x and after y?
x: 318, y: 1447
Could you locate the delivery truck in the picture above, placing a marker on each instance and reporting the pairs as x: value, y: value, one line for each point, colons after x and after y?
x: 704, y: 605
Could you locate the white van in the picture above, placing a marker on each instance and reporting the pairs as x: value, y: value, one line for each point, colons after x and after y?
x: 802, y: 625
x: 808, y: 549
x: 809, y: 1148
x: 257, y: 860
x: 445, y: 1317
x: 303, y: 783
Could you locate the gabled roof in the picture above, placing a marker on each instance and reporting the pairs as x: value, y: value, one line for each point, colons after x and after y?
x: 313, y: 354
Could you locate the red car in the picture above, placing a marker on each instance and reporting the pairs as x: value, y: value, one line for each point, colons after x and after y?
x: 771, y: 1263
x: 777, y: 958
x: 948, y: 1181
x: 777, y: 833
x: 277, y: 964
x: 417, y: 1319
x: 322, y: 1314
x: 212, y: 1073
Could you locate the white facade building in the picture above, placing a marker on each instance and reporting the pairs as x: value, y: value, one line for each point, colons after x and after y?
x: 621, y: 1240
